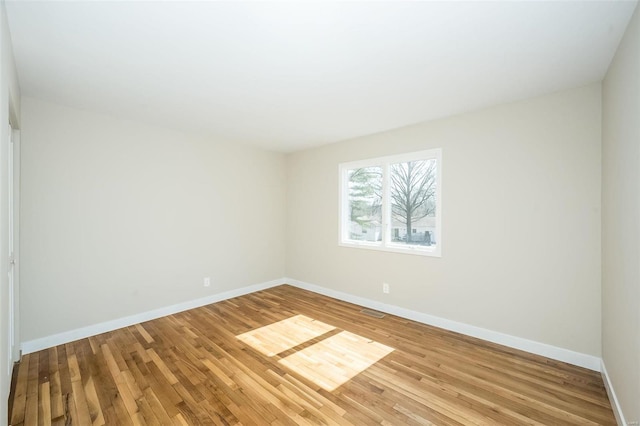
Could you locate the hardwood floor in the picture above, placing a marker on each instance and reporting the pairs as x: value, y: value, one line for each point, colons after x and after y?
x: 320, y: 361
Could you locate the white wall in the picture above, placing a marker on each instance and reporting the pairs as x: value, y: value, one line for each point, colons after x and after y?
x: 621, y: 222
x: 521, y: 221
x: 119, y: 218
x: 9, y: 106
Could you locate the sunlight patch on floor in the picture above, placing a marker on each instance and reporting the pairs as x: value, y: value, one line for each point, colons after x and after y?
x: 337, y: 359
x: 278, y: 337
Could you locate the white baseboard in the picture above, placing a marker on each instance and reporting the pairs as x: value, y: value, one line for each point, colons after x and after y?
x: 549, y: 351
x: 560, y: 354
x: 615, y: 404
x: 103, y: 327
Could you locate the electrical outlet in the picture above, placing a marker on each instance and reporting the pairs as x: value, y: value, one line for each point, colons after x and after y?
x: 385, y: 288
x: 207, y: 281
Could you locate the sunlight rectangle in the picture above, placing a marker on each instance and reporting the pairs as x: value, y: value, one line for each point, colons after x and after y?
x: 283, y: 335
x: 335, y: 360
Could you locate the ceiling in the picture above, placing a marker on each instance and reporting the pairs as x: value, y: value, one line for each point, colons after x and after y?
x: 290, y: 75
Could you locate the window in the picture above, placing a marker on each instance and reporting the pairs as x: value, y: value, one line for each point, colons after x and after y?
x: 393, y: 203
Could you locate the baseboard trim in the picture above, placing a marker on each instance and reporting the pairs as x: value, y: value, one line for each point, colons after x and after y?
x: 543, y: 349
x: 103, y: 327
x: 560, y: 354
x: 613, y: 399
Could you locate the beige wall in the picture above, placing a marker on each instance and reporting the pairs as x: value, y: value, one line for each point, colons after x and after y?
x: 521, y: 221
x: 120, y: 218
x: 621, y: 221
x: 9, y: 107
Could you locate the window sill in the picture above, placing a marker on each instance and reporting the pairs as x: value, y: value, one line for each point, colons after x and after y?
x: 415, y: 250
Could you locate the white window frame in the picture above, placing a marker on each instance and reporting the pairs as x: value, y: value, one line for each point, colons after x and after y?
x: 386, y: 244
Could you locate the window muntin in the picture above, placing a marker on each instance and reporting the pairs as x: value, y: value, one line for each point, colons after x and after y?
x: 393, y: 203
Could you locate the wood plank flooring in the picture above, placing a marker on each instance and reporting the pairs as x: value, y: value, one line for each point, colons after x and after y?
x: 191, y: 368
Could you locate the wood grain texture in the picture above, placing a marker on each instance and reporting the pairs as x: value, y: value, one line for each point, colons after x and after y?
x: 191, y: 368
x: 283, y: 335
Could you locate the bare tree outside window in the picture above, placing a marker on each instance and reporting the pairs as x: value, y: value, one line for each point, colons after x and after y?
x: 413, y: 196
x: 392, y: 203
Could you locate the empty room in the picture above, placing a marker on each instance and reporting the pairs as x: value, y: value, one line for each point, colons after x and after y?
x: 320, y: 212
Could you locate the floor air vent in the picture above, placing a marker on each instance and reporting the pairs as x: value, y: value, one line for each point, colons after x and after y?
x: 372, y: 313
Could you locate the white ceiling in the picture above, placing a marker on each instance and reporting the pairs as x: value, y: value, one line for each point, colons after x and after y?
x: 290, y: 75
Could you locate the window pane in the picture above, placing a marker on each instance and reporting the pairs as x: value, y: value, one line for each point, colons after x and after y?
x: 413, y: 202
x: 365, y: 204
